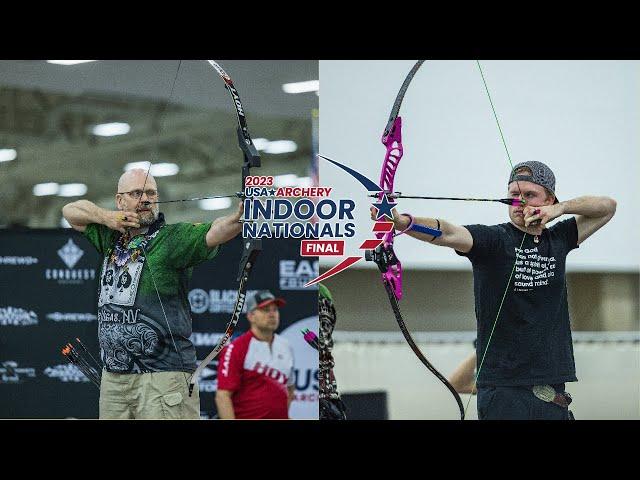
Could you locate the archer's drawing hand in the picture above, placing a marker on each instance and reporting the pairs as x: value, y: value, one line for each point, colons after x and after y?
x: 541, y: 215
x: 121, y: 220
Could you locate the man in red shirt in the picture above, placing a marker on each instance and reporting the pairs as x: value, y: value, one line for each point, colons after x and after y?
x: 255, y: 371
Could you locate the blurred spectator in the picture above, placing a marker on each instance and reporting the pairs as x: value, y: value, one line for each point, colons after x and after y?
x: 255, y: 371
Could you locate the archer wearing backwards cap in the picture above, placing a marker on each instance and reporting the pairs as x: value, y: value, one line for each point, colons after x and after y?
x: 524, y: 350
x: 255, y: 371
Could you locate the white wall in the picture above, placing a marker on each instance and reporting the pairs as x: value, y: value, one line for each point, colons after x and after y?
x: 579, y: 117
x: 608, y: 374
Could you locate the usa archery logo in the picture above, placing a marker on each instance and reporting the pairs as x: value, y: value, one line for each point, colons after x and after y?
x: 295, y: 212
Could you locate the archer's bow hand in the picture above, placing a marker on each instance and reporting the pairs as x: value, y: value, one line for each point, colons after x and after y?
x: 400, y: 222
x: 225, y: 228
x: 239, y: 212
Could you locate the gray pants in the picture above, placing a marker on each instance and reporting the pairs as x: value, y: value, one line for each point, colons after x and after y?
x: 158, y: 395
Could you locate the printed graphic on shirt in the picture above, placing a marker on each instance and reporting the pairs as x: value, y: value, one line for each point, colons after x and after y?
x: 226, y: 359
x: 130, y: 340
x: 119, y: 285
x: 274, y: 364
x: 532, y: 269
x: 269, y: 372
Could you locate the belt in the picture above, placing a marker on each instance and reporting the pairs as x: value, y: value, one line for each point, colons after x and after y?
x: 547, y: 393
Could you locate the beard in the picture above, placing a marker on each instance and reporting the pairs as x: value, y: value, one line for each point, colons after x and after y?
x: 148, y: 217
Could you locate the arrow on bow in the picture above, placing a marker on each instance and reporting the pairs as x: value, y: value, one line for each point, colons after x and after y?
x: 513, y: 202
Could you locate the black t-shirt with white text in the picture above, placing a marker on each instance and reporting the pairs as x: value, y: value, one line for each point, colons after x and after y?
x: 531, y: 344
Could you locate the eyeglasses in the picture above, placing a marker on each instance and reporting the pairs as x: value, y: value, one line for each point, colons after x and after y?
x: 150, y: 193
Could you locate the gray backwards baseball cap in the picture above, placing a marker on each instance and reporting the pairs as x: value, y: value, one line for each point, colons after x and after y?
x: 540, y: 175
x: 262, y: 299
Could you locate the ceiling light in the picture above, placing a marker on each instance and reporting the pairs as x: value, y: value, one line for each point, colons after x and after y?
x: 111, y: 129
x: 72, y: 190
x: 164, y: 169
x: 214, y: 203
x: 305, y: 182
x: 42, y: 189
x: 260, y: 143
x: 157, y: 169
x: 143, y: 165
x: 281, y: 146
x: 69, y: 62
x: 302, y: 87
x: 289, y: 180
x: 276, y: 146
x: 7, y: 154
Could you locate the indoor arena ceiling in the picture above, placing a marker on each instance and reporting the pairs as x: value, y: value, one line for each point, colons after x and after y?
x: 47, y: 112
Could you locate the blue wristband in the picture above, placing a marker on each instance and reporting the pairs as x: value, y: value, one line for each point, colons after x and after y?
x: 424, y: 229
